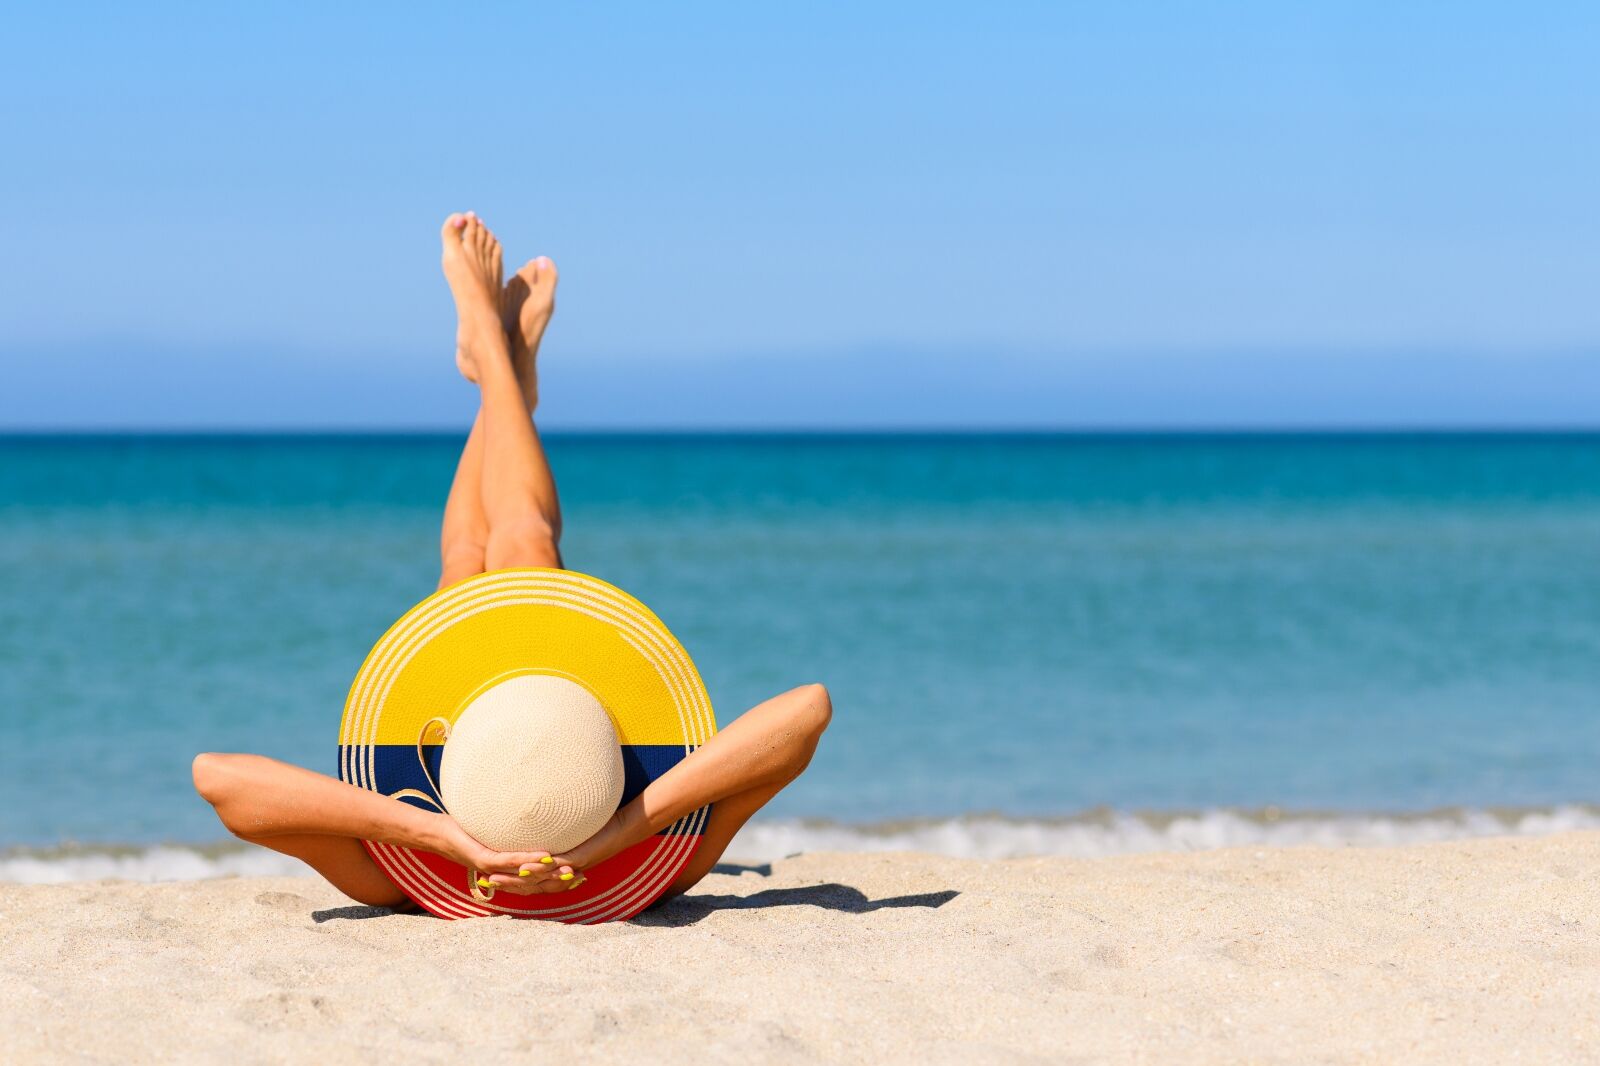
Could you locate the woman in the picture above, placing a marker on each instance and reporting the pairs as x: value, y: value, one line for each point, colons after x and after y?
x: 502, y: 512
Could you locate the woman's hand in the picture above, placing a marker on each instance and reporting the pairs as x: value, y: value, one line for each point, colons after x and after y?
x: 448, y: 839
x: 521, y: 872
x: 530, y: 873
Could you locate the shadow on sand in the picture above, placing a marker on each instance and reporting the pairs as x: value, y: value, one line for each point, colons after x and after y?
x: 353, y: 913
x: 733, y: 869
x: 687, y: 910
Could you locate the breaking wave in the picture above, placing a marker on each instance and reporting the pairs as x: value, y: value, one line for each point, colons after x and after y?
x: 1094, y: 834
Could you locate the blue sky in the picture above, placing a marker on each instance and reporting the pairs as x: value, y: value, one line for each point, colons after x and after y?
x: 1051, y: 214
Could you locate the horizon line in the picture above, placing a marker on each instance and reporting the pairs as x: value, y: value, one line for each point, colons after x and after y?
x: 931, y: 430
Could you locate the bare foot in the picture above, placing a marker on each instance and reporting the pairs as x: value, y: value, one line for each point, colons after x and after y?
x: 525, y: 309
x: 471, y: 263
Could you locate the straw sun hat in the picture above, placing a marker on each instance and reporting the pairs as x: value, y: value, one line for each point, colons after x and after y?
x: 530, y: 704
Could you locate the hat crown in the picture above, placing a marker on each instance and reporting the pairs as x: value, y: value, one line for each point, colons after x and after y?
x: 532, y: 764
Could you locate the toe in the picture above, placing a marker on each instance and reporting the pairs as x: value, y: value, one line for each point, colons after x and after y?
x: 538, y: 273
x: 452, y: 227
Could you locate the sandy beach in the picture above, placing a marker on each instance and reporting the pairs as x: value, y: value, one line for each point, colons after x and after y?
x: 1479, y: 951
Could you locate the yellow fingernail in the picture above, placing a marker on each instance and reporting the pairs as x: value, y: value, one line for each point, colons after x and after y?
x: 547, y: 860
x: 484, y: 882
x: 524, y: 873
x: 566, y: 877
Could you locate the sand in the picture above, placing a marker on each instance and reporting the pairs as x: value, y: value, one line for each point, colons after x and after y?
x: 1483, y: 951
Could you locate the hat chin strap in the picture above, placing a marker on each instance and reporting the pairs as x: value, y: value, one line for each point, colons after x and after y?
x: 482, y: 895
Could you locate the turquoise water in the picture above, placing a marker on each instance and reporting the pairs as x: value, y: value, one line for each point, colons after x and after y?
x: 1031, y: 626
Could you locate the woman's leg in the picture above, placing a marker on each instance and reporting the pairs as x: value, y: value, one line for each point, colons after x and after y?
x: 738, y: 771
x: 465, y: 531
x: 520, y: 506
x: 239, y: 785
x: 526, y: 305
x: 779, y: 737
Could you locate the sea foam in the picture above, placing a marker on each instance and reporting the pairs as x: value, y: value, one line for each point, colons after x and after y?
x: 1091, y: 835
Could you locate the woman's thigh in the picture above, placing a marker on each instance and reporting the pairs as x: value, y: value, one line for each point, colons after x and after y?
x: 344, y: 862
x: 727, y: 818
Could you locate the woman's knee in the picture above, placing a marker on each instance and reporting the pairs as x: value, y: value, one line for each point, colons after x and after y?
x: 459, y: 570
x: 527, y: 542
x: 460, y: 558
x: 219, y: 778
x: 814, y: 710
x: 810, y: 711
x: 211, y: 776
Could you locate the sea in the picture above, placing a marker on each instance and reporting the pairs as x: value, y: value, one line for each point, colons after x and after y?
x: 1037, y: 644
